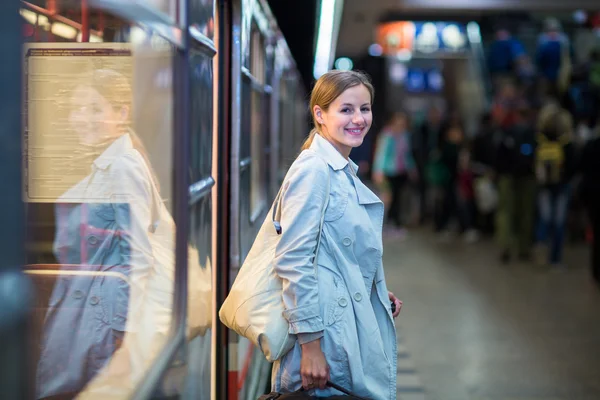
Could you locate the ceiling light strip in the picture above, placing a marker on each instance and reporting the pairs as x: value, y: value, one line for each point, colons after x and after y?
x: 329, y: 24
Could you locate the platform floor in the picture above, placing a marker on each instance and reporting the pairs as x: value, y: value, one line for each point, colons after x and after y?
x: 474, y: 329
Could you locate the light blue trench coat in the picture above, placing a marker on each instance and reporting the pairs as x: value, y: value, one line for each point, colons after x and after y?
x: 346, y: 298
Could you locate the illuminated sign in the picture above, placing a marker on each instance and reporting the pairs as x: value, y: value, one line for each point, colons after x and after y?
x: 396, y: 36
x: 421, y: 37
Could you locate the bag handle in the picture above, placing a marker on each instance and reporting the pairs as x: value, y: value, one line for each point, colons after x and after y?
x: 338, y: 388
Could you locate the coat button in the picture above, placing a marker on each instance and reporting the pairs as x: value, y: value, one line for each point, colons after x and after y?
x: 78, y: 294
x: 94, y: 300
x: 343, y: 302
x: 347, y: 241
x: 93, y: 240
x: 357, y: 296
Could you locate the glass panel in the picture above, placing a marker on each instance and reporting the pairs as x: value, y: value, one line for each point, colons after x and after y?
x: 97, y: 181
x: 202, y: 116
x: 259, y: 125
x: 246, y: 118
x: 257, y: 54
x: 190, y: 376
x: 258, y: 185
x: 202, y: 16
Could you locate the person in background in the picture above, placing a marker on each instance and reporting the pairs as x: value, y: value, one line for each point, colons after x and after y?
x: 554, y: 168
x: 504, y: 107
x: 395, y: 164
x: 466, y: 196
x: 516, y: 186
x: 590, y: 194
x: 483, y: 160
x: 450, y: 148
x: 504, y: 53
x: 424, y: 144
x: 553, y: 57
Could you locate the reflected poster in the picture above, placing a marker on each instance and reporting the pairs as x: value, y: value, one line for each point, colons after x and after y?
x: 54, y: 159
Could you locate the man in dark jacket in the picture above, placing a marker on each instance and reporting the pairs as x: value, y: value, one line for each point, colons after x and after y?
x: 516, y: 186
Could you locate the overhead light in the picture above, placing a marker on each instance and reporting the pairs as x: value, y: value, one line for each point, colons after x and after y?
x: 43, y: 22
x: 96, y: 39
x: 329, y: 19
x: 63, y: 30
x: 473, y: 32
x: 398, y: 73
x: 453, y: 37
x: 580, y: 16
x: 93, y: 38
x: 375, y: 50
x: 404, y: 55
x: 29, y: 16
x: 344, y: 64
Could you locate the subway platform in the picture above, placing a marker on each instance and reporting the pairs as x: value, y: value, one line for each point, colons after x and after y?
x: 474, y: 329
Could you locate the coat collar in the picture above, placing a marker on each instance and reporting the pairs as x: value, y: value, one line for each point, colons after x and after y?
x: 333, y: 157
x: 117, y: 148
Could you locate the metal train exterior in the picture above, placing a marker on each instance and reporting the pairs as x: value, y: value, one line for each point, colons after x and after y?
x: 220, y: 108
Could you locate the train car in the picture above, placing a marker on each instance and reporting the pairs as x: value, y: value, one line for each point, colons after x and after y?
x: 146, y: 142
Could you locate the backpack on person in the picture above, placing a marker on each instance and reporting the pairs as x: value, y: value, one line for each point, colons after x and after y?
x: 550, y: 154
x: 550, y: 160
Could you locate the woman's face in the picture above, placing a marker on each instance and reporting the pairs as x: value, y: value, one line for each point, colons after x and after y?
x: 93, y: 116
x: 348, y: 119
x: 400, y: 124
x: 455, y: 135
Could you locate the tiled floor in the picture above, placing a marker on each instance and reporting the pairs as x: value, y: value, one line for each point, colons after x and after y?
x: 409, y: 383
x: 473, y: 329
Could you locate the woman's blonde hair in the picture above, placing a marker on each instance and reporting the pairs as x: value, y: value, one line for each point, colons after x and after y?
x: 116, y: 89
x: 328, y: 88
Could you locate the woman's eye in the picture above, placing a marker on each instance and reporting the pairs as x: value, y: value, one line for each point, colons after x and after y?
x: 366, y: 109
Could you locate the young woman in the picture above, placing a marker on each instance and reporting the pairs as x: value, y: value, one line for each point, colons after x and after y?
x: 341, y: 312
x: 116, y: 234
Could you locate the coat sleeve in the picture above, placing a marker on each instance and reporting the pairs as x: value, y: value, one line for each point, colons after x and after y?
x: 304, y: 197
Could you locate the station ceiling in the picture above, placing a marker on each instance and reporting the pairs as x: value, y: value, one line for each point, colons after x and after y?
x: 360, y: 17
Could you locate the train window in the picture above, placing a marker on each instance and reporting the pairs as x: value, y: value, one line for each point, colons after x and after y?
x: 202, y: 16
x: 259, y: 125
x: 98, y: 112
x: 202, y: 116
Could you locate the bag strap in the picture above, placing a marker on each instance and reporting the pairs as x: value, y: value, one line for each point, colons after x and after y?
x: 345, y: 391
x: 336, y: 387
x: 276, y: 215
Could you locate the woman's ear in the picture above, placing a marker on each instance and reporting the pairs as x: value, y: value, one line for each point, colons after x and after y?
x: 318, y: 113
x: 124, y: 113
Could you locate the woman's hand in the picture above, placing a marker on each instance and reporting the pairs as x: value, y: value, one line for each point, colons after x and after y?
x: 313, y: 366
x: 397, y: 302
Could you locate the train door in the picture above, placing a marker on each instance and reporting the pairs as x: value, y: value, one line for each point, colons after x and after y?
x: 117, y: 183
x: 251, y: 151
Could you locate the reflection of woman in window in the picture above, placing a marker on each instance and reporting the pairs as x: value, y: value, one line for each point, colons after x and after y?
x: 114, y: 231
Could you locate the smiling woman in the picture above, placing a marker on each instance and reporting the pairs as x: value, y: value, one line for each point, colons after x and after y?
x: 333, y: 284
x: 340, y: 105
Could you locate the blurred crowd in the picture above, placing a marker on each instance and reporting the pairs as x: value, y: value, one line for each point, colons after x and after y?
x: 529, y: 176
